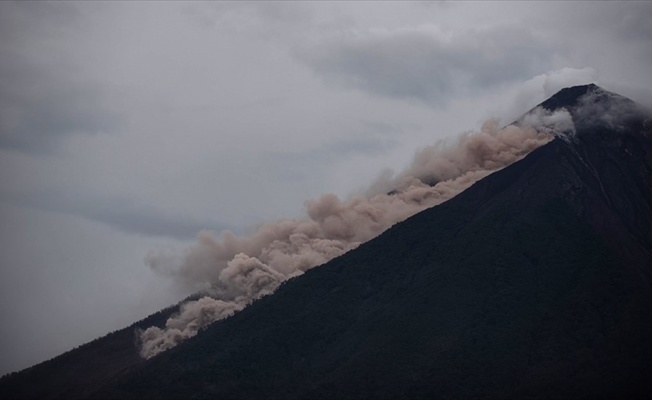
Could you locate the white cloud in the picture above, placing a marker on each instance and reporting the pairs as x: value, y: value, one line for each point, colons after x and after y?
x: 565, y: 77
x: 535, y: 90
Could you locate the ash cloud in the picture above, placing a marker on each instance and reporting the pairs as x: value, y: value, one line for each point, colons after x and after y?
x: 233, y: 271
x: 558, y: 123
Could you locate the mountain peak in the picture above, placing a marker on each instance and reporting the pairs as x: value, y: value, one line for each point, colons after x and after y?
x: 570, y: 96
x: 588, y: 111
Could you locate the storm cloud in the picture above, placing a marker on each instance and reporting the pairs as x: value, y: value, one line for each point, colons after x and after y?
x: 427, y: 63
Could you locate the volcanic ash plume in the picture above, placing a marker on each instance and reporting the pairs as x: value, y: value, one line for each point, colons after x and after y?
x: 234, y: 270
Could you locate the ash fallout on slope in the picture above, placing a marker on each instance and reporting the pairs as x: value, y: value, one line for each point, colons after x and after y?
x: 231, y: 271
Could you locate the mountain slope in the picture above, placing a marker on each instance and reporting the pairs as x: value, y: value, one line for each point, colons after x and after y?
x: 511, y: 289
x: 534, y: 282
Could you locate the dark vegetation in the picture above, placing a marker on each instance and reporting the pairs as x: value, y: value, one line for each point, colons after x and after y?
x: 535, y: 282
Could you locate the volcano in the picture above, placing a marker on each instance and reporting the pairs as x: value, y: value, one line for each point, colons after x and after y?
x: 534, y: 282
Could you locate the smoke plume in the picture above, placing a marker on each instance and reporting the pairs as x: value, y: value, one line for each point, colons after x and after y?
x: 235, y: 270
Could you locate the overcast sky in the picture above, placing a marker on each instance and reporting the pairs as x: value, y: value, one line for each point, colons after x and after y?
x: 127, y: 128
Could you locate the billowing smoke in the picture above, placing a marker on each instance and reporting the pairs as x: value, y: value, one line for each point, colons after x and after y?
x: 234, y: 270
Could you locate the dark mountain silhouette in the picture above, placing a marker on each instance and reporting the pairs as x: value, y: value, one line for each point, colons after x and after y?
x: 534, y: 282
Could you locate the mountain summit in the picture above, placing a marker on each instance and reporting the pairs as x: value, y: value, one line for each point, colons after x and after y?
x: 595, y: 110
x: 534, y: 282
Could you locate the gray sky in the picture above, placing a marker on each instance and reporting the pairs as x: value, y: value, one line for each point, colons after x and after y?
x: 127, y: 128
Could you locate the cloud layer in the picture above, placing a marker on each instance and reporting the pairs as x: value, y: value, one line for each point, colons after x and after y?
x: 45, y: 98
x: 426, y: 63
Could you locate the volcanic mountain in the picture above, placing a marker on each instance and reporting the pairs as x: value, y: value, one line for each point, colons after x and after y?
x: 534, y: 282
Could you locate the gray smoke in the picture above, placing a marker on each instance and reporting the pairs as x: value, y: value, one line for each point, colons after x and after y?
x: 234, y: 271
x: 599, y: 108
